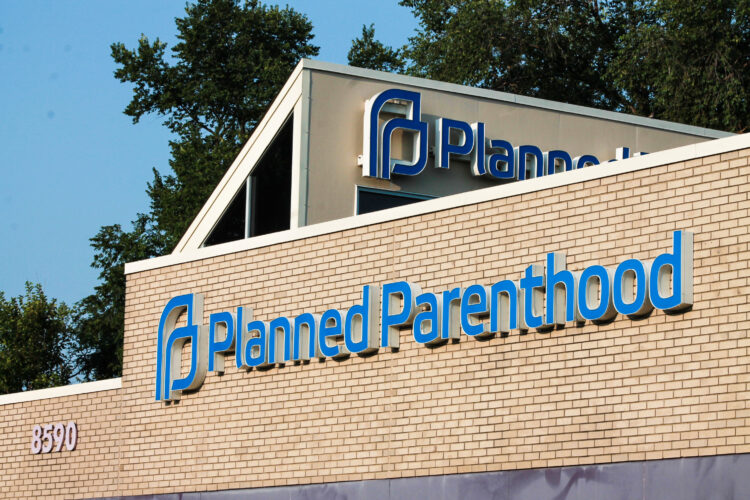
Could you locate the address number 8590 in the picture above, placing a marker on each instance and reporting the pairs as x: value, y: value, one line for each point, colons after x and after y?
x: 52, y: 437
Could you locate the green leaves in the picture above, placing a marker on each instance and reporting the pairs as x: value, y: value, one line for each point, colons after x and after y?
x: 670, y: 59
x: 543, y: 48
x: 229, y: 63
x: 212, y: 88
x: 227, y: 66
x: 100, y: 318
x: 689, y: 64
x: 146, y: 68
x: 367, y: 52
x: 35, y: 342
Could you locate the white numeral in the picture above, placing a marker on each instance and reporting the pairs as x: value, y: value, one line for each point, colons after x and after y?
x: 52, y: 437
x: 58, y: 435
x: 71, y: 436
x: 36, y: 440
x: 47, y: 438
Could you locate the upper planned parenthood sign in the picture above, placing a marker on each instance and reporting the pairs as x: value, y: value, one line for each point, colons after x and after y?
x: 397, y: 110
x: 547, y: 295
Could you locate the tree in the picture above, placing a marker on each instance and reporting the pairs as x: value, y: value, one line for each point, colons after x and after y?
x: 100, y: 318
x: 367, y: 52
x: 552, y: 49
x: 230, y: 61
x: 670, y: 59
x: 35, y: 342
x: 689, y: 63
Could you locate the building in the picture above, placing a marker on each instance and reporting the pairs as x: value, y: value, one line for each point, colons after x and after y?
x: 543, y: 323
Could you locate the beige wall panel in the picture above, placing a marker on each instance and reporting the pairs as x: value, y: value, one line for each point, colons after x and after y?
x: 337, y: 108
x: 661, y: 387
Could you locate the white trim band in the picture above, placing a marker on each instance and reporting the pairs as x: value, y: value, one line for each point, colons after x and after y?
x: 58, y: 392
x: 676, y: 155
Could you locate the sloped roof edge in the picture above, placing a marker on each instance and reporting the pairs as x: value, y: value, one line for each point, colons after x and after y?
x: 513, y: 98
x: 676, y: 155
x: 293, y: 90
x: 238, y: 171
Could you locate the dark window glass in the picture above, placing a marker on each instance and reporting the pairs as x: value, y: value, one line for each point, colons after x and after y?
x: 271, y: 182
x: 231, y: 226
x: 372, y: 200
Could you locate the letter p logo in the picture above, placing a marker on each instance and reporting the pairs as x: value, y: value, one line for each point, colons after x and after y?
x: 376, y: 147
x: 170, y: 341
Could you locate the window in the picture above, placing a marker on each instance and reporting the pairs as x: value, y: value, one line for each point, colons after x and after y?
x: 372, y: 200
x: 263, y: 204
x: 231, y: 226
x: 271, y: 186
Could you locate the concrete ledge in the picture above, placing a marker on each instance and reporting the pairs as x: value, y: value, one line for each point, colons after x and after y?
x: 58, y: 392
x: 676, y: 155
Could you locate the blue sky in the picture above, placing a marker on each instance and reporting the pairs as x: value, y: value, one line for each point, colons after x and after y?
x: 71, y: 161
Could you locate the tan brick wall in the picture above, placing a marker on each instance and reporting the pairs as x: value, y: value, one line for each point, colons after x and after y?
x: 89, y: 470
x: 661, y: 387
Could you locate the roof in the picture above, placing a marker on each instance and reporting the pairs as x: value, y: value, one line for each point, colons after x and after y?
x: 295, y: 97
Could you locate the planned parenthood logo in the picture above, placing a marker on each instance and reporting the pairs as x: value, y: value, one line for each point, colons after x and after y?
x: 171, y: 340
x: 377, y: 161
x: 547, y: 295
x: 400, y: 111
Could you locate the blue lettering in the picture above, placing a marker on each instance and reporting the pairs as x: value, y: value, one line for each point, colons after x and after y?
x: 474, y: 305
x: 560, y: 291
x: 584, y: 161
x: 391, y: 322
x: 504, y: 306
x: 630, y: 290
x: 532, y: 284
x: 443, y: 144
x: 256, y: 346
x: 220, y: 324
x: 599, y: 293
x: 673, y: 271
x: 305, y: 331
x: 502, y: 165
x: 557, y: 157
x: 450, y: 321
x: 360, y: 332
x: 240, y: 335
x: 329, y: 335
x: 280, y: 332
x: 429, y: 317
x: 478, y: 156
x: 530, y: 162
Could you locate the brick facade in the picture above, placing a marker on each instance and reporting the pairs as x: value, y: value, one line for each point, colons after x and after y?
x: 89, y: 470
x: 662, y: 387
